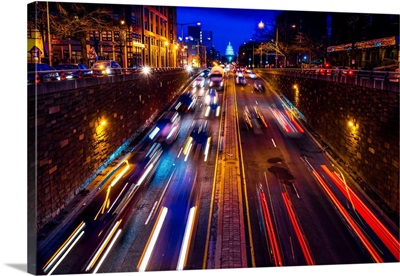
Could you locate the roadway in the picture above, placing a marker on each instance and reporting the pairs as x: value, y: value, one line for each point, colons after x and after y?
x: 160, y: 207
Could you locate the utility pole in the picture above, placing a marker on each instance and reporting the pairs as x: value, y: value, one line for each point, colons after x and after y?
x: 48, y: 33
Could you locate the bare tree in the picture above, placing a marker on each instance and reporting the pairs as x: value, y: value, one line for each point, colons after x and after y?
x: 302, y: 42
x: 37, y: 20
x: 76, y: 21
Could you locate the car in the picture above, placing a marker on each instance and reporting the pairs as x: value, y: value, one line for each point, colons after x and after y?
x: 199, y: 82
x: 199, y: 139
x: 258, y: 85
x: 345, y: 71
x: 186, y: 102
x: 252, y: 75
x: 205, y: 73
x: 41, y: 72
x: 106, y: 68
x: 200, y: 132
x: 211, y: 98
x: 254, y: 119
x: 167, y: 128
x: 73, y: 70
x: 241, y: 80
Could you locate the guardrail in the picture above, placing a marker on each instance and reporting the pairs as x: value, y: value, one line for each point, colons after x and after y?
x: 384, y: 80
x: 35, y: 77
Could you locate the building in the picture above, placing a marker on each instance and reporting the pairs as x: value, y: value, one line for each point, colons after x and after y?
x: 376, y: 54
x: 135, y: 36
x: 229, y: 53
x: 316, y: 37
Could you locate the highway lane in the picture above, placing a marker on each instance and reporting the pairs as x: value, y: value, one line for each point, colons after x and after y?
x: 174, y: 190
x: 276, y: 161
x: 74, y: 248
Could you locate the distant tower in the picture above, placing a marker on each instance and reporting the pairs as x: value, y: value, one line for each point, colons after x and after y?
x: 229, y: 53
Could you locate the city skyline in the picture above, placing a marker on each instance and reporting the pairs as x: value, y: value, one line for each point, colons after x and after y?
x: 233, y: 25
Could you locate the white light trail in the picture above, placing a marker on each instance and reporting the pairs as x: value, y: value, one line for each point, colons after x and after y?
x: 154, y: 132
x: 188, y: 152
x: 107, y: 251
x: 217, y: 111
x: 179, y: 153
x: 101, y: 249
x: 186, y: 239
x: 153, y: 240
x: 63, y: 247
x: 119, y: 176
x: 171, y: 132
x: 208, y: 109
x: 151, y: 212
x: 207, y: 149
x: 66, y: 253
x: 145, y: 173
x: 273, y: 142
x: 112, y: 205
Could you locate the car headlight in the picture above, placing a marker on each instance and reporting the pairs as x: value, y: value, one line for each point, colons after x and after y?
x: 108, y: 71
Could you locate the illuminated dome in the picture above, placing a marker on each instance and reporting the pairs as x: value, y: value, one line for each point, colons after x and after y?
x: 229, y: 50
x: 229, y: 53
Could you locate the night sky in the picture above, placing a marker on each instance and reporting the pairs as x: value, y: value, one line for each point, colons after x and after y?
x: 233, y: 25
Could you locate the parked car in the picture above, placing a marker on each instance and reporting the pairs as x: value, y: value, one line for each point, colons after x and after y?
x: 106, y: 68
x: 73, y: 70
x: 41, y: 72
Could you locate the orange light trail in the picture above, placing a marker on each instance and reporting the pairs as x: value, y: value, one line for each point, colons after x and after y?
x: 293, y: 120
x: 387, y: 238
x: 349, y: 220
x: 271, y: 233
x: 299, y: 234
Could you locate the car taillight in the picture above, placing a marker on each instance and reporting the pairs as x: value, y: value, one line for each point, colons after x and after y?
x: 37, y: 78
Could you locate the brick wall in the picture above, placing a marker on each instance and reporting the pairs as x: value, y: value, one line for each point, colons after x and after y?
x: 72, y: 131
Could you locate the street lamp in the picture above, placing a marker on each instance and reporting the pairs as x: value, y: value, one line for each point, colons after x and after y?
x: 124, y: 41
x: 184, y: 24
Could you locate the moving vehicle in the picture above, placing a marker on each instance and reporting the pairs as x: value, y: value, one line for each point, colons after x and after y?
x: 241, y: 80
x: 216, y: 77
x: 199, y: 140
x: 254, y: 119
x: 258, y: 85
x: 167, y: 128
x: 186, y: 102
x: 199, y: 82
x: 211, y: 98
